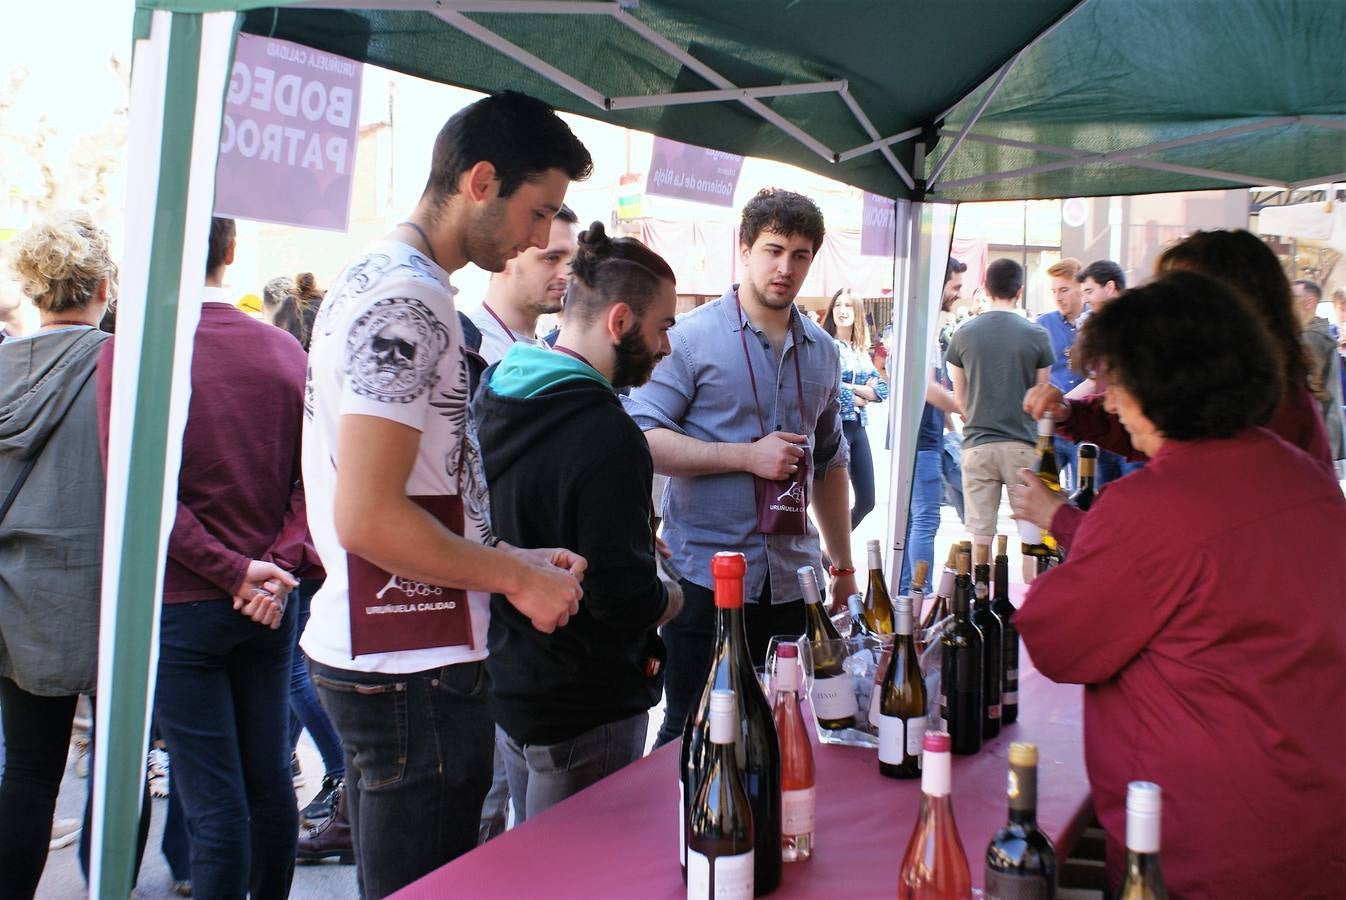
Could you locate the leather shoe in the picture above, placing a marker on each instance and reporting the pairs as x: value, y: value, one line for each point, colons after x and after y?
x: 328, y: 838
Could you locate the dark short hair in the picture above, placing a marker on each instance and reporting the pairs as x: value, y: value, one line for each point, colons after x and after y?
x: 519, y: 135
x: 784, y: 212
x: 1244, y: 263
x: 566, y: 214
x: 1102, y: 271
x: 222, y: 232
x: 1004, y: 279
x: 606, y: 270
x: 955, y: 267
x: 1193, y: 353
x: 1312, y: 287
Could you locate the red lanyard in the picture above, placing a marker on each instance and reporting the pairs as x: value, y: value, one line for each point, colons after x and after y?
x: 501, y: 322
x: 568, y: 352
x: 799, y: 382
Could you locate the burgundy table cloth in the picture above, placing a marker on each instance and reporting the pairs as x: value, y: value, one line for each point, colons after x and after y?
x: 619, y: 838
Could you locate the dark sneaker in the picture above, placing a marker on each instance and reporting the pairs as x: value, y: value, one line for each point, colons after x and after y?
x: 320, y: 808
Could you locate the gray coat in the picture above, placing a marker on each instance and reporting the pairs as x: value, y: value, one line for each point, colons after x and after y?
x: 1326, y: 365
x: 51, y: 539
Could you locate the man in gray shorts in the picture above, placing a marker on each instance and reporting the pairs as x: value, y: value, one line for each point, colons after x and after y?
x: 993, y: 360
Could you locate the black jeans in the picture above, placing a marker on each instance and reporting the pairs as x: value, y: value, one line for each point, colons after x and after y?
x: 37, y: 739
x: 862, y: 470
x: 418, y: 751
x: 222, y: 703
x: 690, y: 635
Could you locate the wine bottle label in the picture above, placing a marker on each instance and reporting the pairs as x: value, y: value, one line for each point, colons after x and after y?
x: 833, y: 698
x: 900, y: 738
x: 993, y: 710
x: 1016, y: 886
x: 1009, y: 698
x: 1030, y: 533
x: 1012, y: 674
x: 797, y: 812
x: 729, y: 879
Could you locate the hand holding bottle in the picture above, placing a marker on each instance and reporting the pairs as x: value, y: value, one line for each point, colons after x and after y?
x: 1032, y: 501
x: 1046, y: 398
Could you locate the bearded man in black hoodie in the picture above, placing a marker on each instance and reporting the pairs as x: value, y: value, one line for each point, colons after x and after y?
x: 568, y: 467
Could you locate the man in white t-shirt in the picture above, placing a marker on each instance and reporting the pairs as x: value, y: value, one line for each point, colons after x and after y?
x: 397, y: 502
x: 531, y: 285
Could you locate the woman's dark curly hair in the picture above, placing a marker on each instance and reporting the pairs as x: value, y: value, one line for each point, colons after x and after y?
x: 606, y: 270
x: 1242, y: 261
x: 1193, y: 353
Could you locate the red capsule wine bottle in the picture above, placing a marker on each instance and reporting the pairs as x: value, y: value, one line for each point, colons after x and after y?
x: 1143, y: 879
x: 720, y: 826
x: 961, y: 682
x: 934, y: 866
x: 1003, y: 608
x: 756, y: 745
x: 799, y: 795
x: 833, y: 694
x: 902, y: 703
x: 1020, y: 859
x: 992, y: 641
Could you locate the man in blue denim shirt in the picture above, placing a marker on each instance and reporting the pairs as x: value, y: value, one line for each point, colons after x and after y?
x: 698, y: 415
x: 1062, y: 325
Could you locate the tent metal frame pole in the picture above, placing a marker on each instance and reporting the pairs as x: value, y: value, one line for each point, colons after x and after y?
x: 985, y: 101
x: 873, y: 132
x: 719, y: 96
x: 178, y: 84
x: 715, y: 78
x: 521, y: 56
x: 881, y: 142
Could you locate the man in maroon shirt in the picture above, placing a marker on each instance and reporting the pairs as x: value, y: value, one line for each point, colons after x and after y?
x: 222, y: 692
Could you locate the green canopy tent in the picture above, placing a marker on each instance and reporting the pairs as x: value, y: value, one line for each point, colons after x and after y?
x: 926, y: 103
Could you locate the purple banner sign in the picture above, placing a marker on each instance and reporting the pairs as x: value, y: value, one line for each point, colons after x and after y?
x: 287, y: 142
x: 692, y: 173
x: 878, y: 227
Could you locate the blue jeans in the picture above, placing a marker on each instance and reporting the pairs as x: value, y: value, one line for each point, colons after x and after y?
x: 1112, y: 466
x: 951, y: 470
x: 222, y: 706
x: 542, y: 775
x: 1066, y: 452
x: 418, y: 764
x: 861, y: 470
x: 305, y: 710
x: 927, y: 488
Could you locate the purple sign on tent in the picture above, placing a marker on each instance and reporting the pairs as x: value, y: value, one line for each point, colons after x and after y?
x: 878, y: 227
x: 288, y: 138
x: 692, y: 173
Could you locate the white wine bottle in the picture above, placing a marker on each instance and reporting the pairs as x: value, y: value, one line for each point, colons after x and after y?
x: 719, y: 825
x: 1143, y: 879
x: 1036, y: 541
x: 902, y: 703
x: 833, y: 694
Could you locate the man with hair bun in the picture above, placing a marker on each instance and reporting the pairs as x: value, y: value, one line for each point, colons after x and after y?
x: 745, y: 415
x: 567, y: 467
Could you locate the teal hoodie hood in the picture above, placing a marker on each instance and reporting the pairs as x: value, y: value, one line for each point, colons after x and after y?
x: 527, y: 370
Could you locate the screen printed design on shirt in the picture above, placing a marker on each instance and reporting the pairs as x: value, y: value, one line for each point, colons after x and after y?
x: 393, y: 348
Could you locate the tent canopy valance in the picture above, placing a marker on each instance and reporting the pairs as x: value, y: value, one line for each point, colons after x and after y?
x: 1043, y: 98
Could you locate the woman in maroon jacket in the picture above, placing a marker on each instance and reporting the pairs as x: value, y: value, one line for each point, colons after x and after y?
x: 1168, y: 605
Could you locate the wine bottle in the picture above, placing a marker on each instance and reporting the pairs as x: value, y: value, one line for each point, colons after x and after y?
x: 940, y: 608
x: 856, y: 604
x: 902, y: 703
x: 960, y: 673
x: 798, y: 783
x: 1036, y: 541
x: 934, y: 866
x: 756, y: 745
x: 1088, y: 461
x: 720, y: 823
x: 1143, y: 879
x: 992, y: 637
x: 1020, y: 860
x: 833, y: 695
x: 1009, y: 645
x: 878, y: 605
x: 916, y: 589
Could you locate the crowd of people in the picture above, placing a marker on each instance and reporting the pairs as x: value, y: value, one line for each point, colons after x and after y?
x: 440, y: 548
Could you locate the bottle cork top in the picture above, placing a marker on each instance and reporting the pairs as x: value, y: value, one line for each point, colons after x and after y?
x: 728, y: 565
x: 981, y: 554
x: 964, y: 562
x: 1001, y: 544
x: 953, y: 557
x: 1022, y: 753
x: 1144, y: 797
x: 1088, y: 451
x: 920, y: 574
